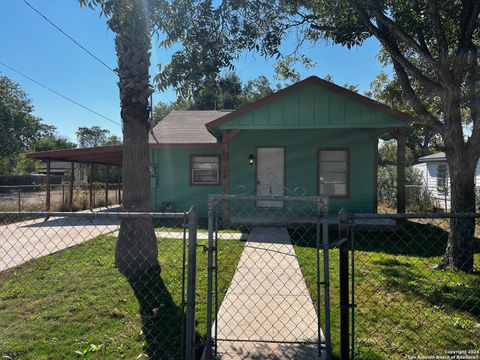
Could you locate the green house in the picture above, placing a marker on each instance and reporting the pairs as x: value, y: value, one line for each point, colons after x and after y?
x: 311, y: 138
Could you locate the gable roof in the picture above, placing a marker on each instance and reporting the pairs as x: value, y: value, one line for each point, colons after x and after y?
x: 440, y: 156
x: 313, y: 80
x: 185, y: 127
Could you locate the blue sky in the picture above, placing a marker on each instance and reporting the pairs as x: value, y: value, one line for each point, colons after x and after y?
x: 31, y: 45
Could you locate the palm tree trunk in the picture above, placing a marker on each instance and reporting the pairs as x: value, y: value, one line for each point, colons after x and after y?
x: 137, y: 249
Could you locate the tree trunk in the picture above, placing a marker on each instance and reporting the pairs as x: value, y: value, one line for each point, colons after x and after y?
x: 137, y: 249
x: 460, y: 246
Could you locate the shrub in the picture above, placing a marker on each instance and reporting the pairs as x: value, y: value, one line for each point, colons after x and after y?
x: 418, y: 197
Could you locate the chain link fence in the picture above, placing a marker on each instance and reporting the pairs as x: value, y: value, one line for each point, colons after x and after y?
x: 34, y: 197
x: 275, y: 278
x: 420, y: 199
x: 88, y: 285
x: 406, y: 306
x: 268, y: 290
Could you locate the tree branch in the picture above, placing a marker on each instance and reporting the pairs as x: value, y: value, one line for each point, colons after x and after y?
x: 414, y: 100
x: 439, y: 31
x: 468, y: 21
x: 391, y: 25
x: 394, y: 51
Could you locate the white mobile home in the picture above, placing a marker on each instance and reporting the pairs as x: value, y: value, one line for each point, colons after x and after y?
x: 436, y: 176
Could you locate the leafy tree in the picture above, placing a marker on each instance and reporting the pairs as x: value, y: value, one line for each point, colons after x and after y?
x: 387, y: 154
x: 21, y: 132
x: 52, y: 142
x: 25, y: 166
x: 18, y: 127
x: 113, y: 140
x: 223, y: 92
x: 256, y: 89
x: 228, y: 92
x: 419, y: 198
x: 136, y: 254
x: 92, y: 136
x: 285, y: 68
x: 161, y: 110
x: 420, y: 140
x: 432, y: 45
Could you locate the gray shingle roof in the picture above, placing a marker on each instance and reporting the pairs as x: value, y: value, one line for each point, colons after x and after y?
x: 185, y: 127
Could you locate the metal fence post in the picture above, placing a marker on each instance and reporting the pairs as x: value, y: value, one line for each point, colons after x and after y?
x: 209, y: 342
x: 191, y: 285
x: 344, y: 284
x: 19, y: 198
x: 326, y: 271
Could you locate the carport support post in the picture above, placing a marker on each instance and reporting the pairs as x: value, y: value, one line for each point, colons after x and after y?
x: 72, y: 179
x: 106, y: 186
x: 344, y: 285
x: 19, y: 189
x: 191, y: 285
x: 91, y: 187
x: 48, y: 186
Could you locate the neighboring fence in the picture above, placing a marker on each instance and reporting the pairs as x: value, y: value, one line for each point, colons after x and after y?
x: 33, y: 197
x: 62, y: 297
x: 14, y: 180
x: 419, y: 198
x: 403, y: 307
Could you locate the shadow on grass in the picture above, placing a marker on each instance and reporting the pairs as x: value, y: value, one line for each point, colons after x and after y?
x: 162, y: 320
x: 454, y: 294
x: 409, y: 239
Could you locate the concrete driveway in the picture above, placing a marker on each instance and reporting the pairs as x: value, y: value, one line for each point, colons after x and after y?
x: 31, y: 239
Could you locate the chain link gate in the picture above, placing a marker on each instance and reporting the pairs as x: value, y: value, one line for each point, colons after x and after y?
x: 268, y: 277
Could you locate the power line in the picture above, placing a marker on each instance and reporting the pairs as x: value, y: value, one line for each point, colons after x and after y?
x: 69, y: 37
x: 59, y: 94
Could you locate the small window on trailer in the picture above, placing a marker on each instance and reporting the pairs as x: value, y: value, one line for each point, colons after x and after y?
x: 442, y: 186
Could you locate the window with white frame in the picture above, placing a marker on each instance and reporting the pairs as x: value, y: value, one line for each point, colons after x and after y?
x: 205, y: 169
x: 442, y: 179
x: 333, y: 172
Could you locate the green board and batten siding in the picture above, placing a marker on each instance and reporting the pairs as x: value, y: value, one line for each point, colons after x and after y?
x: 301, y: 169
x: 313, y: 107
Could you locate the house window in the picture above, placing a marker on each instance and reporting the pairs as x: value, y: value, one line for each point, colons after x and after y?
x: 442, y: 179
x: 333, y: 172
x: 204, y: 169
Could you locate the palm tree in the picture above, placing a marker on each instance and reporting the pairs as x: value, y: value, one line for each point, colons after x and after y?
x: 137, y: 249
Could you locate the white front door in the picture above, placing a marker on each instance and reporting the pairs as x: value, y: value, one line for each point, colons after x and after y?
x: 270, y: 175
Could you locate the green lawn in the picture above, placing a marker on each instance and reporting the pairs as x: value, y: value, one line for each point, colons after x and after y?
x: 75, y: 304
x: 404, y: 307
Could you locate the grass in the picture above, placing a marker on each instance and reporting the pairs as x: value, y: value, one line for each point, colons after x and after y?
x: 404, y: 306
x: 75, y: 304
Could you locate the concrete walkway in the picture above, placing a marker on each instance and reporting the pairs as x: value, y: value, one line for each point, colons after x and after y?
x: 267, y: 312
x: 31, y: 239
